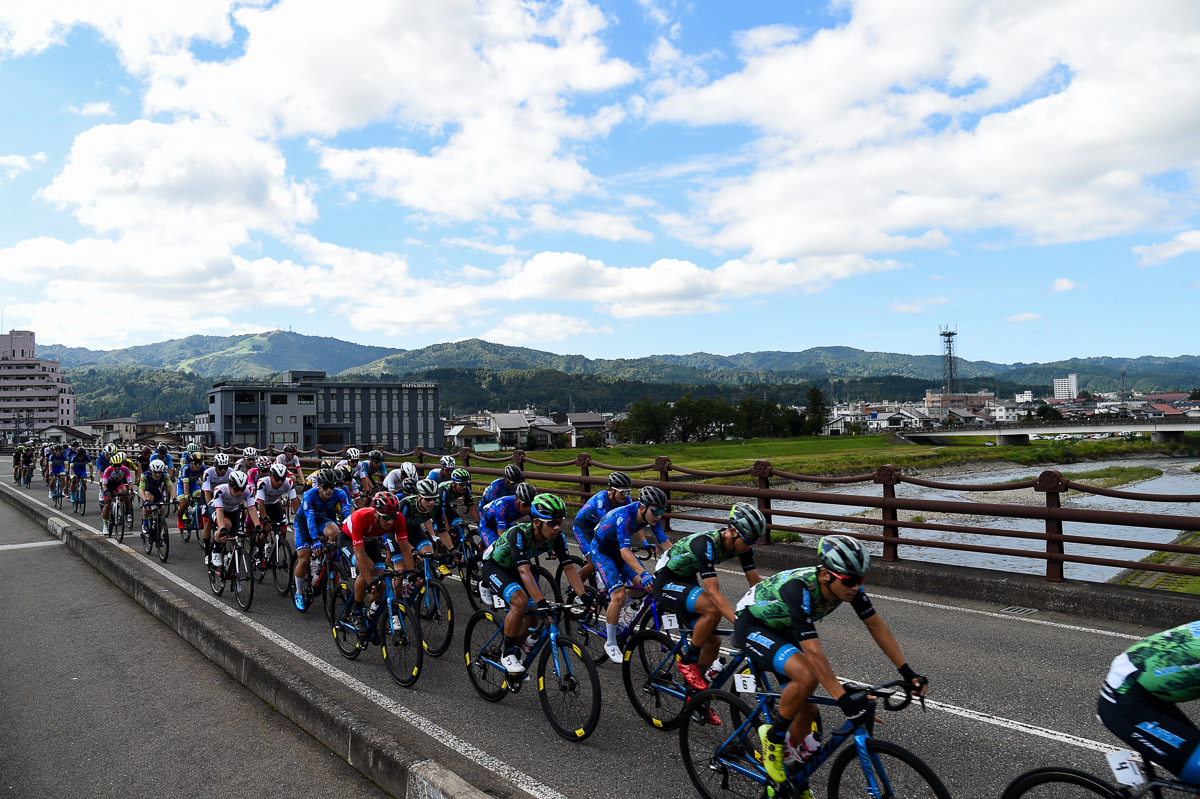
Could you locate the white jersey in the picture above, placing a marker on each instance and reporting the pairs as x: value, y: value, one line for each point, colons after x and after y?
x: 227, y: 499
x: 244, y: 465
x: 269, y: 495
x: 292, y: 462
x: 392, y: 481
x: 213, y: 480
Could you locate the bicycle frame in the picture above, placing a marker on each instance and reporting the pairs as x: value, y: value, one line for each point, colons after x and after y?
x: 548, y: 634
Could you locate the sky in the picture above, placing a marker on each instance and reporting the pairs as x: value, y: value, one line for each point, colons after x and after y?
x: 614, y: 178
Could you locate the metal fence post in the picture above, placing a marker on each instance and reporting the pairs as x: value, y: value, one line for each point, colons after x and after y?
x: 584, y: 462
x: 888, y: 476
x: 762, y: 470
x: 1052, y: 484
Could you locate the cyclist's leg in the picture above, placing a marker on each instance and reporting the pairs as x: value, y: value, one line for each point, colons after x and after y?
x: 506, y: 584
x: 584, y: 539
x: 303, y: 542
x: 776, y: 651
x: 1156, y: 729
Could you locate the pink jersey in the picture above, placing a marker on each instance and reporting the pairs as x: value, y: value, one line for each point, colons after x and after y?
x: 117, y: 475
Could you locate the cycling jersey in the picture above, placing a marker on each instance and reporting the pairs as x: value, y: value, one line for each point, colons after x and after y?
x: 618, y: 526
x: 364, y: 524
x: 226, y: 499
x: 1167, y: 664
x: 79, y: 463
x: 27, y: 458
x: 496, y: 489
x: 164, y: 458
x: 697, y: 555
x: 393, y: 480
x: 518, y: 545
x: 268, y: 494
x: 116, y: 476
x: 376, y: 473
x: 102, y: 462
x: 435, y: 474
x: 792, y: 600
x: 190, y: 478
x: 415, y: 518
x: 292, y: 462
x: 497, y: 517
x: 243, y: 465
x: 318, y: 512
x: 58, y: 463
x: 155, y: 485
x: 595, y: 509
x: 214, y: 479
x: 447, y: 501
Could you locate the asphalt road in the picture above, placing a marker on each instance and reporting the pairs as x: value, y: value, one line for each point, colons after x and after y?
x: 1008, y: 692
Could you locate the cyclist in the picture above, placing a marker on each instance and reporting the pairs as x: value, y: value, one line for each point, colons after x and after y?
x: 396, y: 477
x: 115, y: 481
x: 104, y: 457
x: 228, y: 502
x: 595, y: 509
x: 441, y: 473
x: 191, y: 479
x: 352, y: 462
x: 454, y: 491
x: 499, y: 515
x: 275, y: 485
x: 507, y: 572
x: 163, y: 455
x: 701, y: 606
x: 145, y: 454
x: 364, y: 538
x: 775, y: 625
x: 408, y: 487
x: 153, y: 487
x: 215, y: 476
x: 504, y: 486
x: 58, y: 469
x: 373, y: 472
x: 16, y: 463
x: 81, y: 469
x: 311, y: 480
x: 420, y: 512
x: 259, y: 471
x: 1138, y: 701
x: 321, y: 511
x: 27, y: 455
x: 615, y: 562
x: 291, y: 460
x: 348, y: 483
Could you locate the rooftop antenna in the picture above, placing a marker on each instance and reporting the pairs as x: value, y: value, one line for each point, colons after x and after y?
x: 949, y: 376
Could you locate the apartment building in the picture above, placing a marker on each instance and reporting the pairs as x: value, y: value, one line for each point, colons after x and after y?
x: 34, y: 394
x: 1066, y: 387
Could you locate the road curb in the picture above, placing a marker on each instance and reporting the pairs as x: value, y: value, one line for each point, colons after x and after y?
x: 1120, y: 603
x: 289, y: 685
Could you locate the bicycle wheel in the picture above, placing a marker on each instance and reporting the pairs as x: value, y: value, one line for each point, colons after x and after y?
x: 148, y: 536
x: 570, y: 693
x: 162, y: 539
x: 186, y: 531
x: 590, y: 630
x: 547, y: 583
x: 655, y: 689
x: 436, y: 610
x: 58, y: 497
x: 282, y: 566
x: 560, y: 575
x: 894, y: 771
x: 326, y: 582
x: 243, y: 572
x: 216, y: 577
x: 261, y: 560
x: 722, y: 760
x: 483, y: 642
x: 344, y: 634
x: 472, y: 576
x: 83, y: 500
x: 1043, y: 783
x: 403, y: 650
x: 119, y: 510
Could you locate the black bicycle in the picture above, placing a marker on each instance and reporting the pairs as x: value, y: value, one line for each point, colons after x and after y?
x: 1060, y: 782
x: 237, y: 563
x: 154, y: 530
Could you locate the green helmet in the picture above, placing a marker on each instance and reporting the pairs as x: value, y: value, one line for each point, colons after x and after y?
x: 193, y: 447
x: 748, y: 521
x: 843, y: 555
x: 461, y: 476
x: 547, y: 507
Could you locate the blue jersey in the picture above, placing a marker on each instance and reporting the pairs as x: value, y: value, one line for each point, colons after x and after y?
x: 102, y: 463
x: 437, y: 476
x: 318, y: 511
x: 164, y: 458
x: 58, y: 462
x: 618, y: 526
x: 498, y: 516
x: 79, y: 462
x: 498, y: 488
x: 596, y: 509
x: 190, y: 479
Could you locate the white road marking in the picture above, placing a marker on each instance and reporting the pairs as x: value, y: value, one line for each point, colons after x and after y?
x: 28, y: 546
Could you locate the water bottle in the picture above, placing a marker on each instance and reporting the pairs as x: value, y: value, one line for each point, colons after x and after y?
x: 314, y: 570
x: 396, y: 622
x: 713, y: 671
x: 528, y: 644
x: 373, y: 611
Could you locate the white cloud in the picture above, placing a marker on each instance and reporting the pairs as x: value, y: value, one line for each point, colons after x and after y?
x: 94, y: 109
x: 917, y: 306
x: 538, y: 328
x: 506, y: 250
x: 589, y: 223
x: 13, y: 165
x: 1063, y: 284
x: 1152, y: 254
x: 1026, y: 316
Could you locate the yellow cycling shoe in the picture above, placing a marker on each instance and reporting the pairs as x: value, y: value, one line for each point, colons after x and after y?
x: 444, y: 570
x: 772, y: 755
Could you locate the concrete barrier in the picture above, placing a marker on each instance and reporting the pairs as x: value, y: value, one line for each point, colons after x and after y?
x: 406, y: 767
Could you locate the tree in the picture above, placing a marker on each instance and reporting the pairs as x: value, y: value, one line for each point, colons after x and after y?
x: 1085, y: 395
x: 817, y: 411
x: 531, y: 442
x: 590, y: 439
x: 648, y: 422
x: 1048, y: 413
x: 1195, y: 395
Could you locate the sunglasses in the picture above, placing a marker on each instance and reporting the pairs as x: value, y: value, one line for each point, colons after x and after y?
x: 624, y: 491
x: 849, y: 580
x: 387, y: 517
x: 658, y: 511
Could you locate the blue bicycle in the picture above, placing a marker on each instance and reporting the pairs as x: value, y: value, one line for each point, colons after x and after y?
x: 723, y: 757
x: 393, y: 625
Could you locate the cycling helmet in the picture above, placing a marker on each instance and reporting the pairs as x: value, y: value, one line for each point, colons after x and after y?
x: 118, y: 457
x: 289, y: 449
x: 326, y: 478
x: 548, y: 507
x: 620, y: 480
x: 249, y: 453
x: 221, y: 459
x: 262, y: 463
x: 193, y: 447
x: 427, y: 488
x: 343, y: 474
x: 58, y: 447
x: 525, y: 493
x: 843, y: 555
x: 448, y: 462
x: 408, y: 470
x: 513, y: 473
x: 461, y: 476
x: 385, y: 504
x: 75, y: 443
x: 353, y: 454
x: 652, y: 497
x: 195, y: 457
x: 375, y: 455
x: 409, y: 486
x: 237, y: 480
x: 146, y: 451
x: 748, y: 521
x: 326, y: 464
x: 157, y: 466
x: 279, y: 471
x: 161, y: 448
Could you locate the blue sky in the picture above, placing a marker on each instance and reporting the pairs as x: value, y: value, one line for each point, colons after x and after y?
x: 614, y: 178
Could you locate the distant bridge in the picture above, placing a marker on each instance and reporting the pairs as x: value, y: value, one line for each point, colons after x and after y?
x: 1162, y: 431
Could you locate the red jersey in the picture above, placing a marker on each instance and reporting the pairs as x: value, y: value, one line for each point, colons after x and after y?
x: 364, y: 524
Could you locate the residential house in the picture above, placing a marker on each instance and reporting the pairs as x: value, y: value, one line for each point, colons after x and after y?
x: 511, y: 429
x: 473, y: 438
x: 115, y: 429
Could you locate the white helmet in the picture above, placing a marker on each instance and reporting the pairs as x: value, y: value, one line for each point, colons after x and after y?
x: 237, y: 480
x: 109, y: 449
x: 249, y: 453
x: 353, y: 454
x: 221, y: 459
x: 157, y: 466
x: 448, y: 462
x: 280, y: 471
x: 408, y: 469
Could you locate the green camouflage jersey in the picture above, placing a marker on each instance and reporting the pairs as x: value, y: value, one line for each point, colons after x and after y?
x: 517, y: 545
x: 415, y: 518
x: 1166, y: 664
x: 698, y: 555
x: 792, y: 600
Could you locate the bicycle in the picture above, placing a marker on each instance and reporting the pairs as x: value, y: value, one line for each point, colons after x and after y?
x: 237, y: 565
x: 277, y: 557
x: 655, y: 689
x: 56, y: 491
x: 469, y: 545
x: 192, y: 516
x: 396, y: 631
x: 716, y: 756
x: 434, y: 605
x: 120, y: 514
x: 79, y: 495
x: 154, y: 533
x: 569, y: 695
x: 1068, y: 783
x: 592, y: 628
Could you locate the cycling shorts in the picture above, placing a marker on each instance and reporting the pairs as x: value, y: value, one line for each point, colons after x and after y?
x: 488, y: 535
x: 612, y: 572
x: 114, y: 488
x: 79, y: 469
x: 584, y: 539
x: 303, y: 538
x: 672, y: 595
x: 1155, y: 728
x: 58, y: 468
x: 275, y: 514
x: 767, y: 648
x: 376, y: 549
x: 156, y: 494
x: 185, y: 487
x: 504, y: 583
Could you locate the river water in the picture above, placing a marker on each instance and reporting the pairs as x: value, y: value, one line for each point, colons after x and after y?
x: 1176, y: 479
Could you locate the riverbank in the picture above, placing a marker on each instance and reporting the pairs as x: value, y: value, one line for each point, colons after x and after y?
x: 1179, y: 583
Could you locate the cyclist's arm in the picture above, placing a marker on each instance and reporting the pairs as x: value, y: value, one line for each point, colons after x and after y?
x: 886, y: 641
x: 522, y: 542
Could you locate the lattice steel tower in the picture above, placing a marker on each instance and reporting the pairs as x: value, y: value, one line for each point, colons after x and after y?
x: 949, y: 375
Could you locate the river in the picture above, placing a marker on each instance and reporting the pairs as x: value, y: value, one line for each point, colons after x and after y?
x: 1176, y: 479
